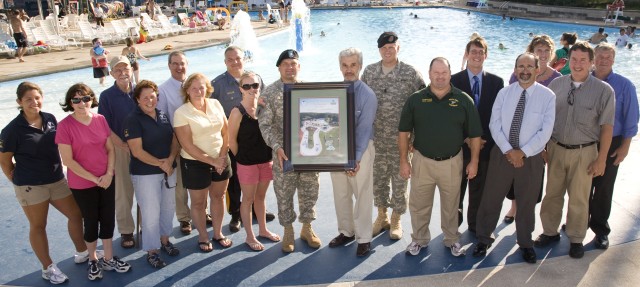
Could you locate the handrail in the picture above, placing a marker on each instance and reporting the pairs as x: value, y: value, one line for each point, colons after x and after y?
x: 504, y: 5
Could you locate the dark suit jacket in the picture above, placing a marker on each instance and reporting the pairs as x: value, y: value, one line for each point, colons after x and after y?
x: 491, y: 84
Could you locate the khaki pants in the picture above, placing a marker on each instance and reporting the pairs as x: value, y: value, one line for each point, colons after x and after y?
x: 568, y: 174
x: 355, y: 219
x: 183, y: 213
x: 124, y: 191
x: 426, y: 174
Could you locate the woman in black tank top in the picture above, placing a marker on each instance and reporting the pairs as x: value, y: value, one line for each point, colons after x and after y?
x: 253, y: 159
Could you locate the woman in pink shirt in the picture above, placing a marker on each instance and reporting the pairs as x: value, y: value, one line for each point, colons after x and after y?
x: 86, y: 150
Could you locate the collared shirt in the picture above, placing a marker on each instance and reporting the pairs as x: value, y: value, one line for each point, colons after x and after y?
x: 593, y: 106
x: 440, y: 125
x: 34, y: 150
x: 537, y: 121
x: 170, y: 97
x: 471, y: 81
x: 226, y: 90
x: 156, y: 135
x: 205, y: 127
x: 366, y: 106
x: 626, y: 115
x: 115, y: 105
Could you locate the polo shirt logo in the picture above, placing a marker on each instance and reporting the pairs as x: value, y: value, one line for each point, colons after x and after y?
x: 429, y: 100
x: 51, y: 127
x: 163, y: 118
x: 126, y: 133
x: 453, y: 102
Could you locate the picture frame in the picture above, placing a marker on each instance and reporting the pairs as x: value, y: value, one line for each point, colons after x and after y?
x: 319, y: 126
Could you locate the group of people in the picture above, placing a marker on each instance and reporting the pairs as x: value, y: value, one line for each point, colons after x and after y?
x: 194, y: 139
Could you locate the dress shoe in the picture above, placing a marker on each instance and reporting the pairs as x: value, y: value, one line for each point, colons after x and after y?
x: 602, y: 241
x: 576, y: 250
x: 363, y: 249
x: 544, y: 240
x: 509, y: 219
x: 234, y: 224
x: 528, y: 254
x: 341, y: 240
x: 481, y: 249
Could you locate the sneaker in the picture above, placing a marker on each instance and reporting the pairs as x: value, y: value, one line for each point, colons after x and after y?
x: 95, y: 271
x: 413, y: 248
x: 54, y: 275
x: 170, y: 249
x: 155, y: 261
x: 82, y: 257
x: 457, y: 249
x: 115, y: 264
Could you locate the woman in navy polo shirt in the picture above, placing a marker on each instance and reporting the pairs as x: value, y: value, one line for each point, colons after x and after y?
x: 37, y: 176
x: 153, y: 148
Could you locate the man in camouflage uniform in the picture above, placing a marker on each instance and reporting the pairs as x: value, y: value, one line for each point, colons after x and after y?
x: 393, y: 81
x: 285, y: 184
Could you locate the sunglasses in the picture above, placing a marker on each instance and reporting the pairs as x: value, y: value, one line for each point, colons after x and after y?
x: 247, y: 87
x: 85, y: 99
x: 166, y: 182
x: 571, y: 97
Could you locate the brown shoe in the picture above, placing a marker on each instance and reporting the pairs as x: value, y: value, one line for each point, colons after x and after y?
x: 185, y: 227
x: 363, y: 249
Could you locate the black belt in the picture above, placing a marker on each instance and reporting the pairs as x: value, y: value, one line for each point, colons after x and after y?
x: 573, y: 146
x: 438, y: 158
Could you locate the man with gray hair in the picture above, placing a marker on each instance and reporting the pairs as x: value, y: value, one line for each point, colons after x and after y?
x: 354, y: 222
x: 393, y: 81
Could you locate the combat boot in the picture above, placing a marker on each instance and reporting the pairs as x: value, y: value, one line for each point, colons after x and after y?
x: 309, y: 236
x: 382, y: 221
x: 396, y: 226
x: 288, y: 240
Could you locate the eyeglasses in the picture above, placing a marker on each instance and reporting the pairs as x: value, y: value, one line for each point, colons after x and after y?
x: 571, y: 98
x: 166, y: 182
x: 247, y: 87
x: 84, y: 99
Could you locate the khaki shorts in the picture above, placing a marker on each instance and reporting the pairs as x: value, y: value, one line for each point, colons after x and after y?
x: 34, y: 194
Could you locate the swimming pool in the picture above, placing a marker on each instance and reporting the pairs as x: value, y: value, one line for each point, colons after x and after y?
x: 436, y: 32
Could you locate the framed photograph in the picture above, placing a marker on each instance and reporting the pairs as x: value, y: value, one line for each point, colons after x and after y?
x: 319, y: 126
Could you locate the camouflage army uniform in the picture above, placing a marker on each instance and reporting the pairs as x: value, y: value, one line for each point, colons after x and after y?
x: 392, y: 90
x: 285, y: 184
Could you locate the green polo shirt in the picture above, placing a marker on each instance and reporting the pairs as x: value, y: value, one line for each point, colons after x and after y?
x: 440, y: 125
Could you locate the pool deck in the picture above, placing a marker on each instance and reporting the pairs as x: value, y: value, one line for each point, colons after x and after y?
x: 386, y: 266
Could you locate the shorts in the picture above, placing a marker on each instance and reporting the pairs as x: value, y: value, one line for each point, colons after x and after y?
x: 100, y: 72
x: 199, y: 175
x: 21, y: 42
x: 134, y: 66
x: 255, y: 173
x: 33, y: 194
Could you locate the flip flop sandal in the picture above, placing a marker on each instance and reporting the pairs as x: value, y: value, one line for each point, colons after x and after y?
x: 222, y: 240
x: 205, y: 244
x: 255, y: 246
x: 273, y: 238
x: 126, y: 241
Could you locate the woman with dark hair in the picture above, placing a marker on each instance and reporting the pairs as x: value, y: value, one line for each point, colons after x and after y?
x: 37, y: 176
x: 87, y: 151
x: 254, y: 160
x: 153, y: 148
x: 201, y: 127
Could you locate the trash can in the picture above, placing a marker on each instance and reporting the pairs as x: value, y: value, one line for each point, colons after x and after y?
x: 178, y: 11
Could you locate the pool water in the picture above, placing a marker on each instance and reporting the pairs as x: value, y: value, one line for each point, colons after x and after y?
x: 436, y: 32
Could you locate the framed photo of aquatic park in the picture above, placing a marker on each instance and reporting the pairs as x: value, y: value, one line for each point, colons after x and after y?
x: 319, y: 126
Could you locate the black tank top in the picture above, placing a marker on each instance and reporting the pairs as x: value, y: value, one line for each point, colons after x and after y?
x: 251, y: 146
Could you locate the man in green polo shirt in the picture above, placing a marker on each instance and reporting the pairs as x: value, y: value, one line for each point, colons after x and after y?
x: 440, y: 117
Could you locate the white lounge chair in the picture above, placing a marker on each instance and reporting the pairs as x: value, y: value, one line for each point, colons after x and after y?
x: 276, y: 16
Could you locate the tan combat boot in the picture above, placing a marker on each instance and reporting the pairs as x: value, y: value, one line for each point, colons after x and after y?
x: 382, y: 221
x: 288, y: 240
x: 309, y: 236
x: 396, y: 226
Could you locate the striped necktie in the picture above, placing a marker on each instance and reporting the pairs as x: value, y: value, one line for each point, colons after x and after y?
x: 514, y: 132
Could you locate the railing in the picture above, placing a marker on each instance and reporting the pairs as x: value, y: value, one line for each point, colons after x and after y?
x: 504, y: 5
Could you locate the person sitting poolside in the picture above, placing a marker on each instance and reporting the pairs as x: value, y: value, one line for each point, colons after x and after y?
x: 617, y: 4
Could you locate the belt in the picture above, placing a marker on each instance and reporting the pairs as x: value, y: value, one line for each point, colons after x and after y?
x: 574, y: 146
x: 438, y: 158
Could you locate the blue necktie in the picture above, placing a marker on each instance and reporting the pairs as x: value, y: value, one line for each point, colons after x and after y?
x: 476, y: 91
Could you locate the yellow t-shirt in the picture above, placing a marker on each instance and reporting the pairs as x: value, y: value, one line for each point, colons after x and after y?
x: 205, y: 127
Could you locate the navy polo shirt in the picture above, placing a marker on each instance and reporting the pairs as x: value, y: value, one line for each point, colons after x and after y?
x: 35, y: 151
x: 156, y: 135
x: 115, y: 105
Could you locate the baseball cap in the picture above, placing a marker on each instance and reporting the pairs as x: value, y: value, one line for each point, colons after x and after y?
x: 117, y: 60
